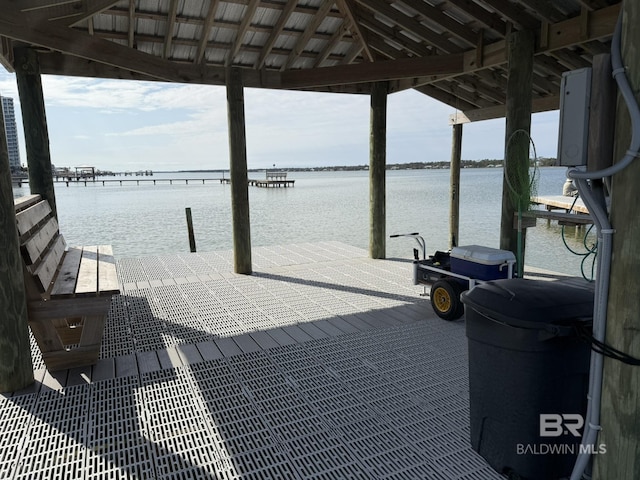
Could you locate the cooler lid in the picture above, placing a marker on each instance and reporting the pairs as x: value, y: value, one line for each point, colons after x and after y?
x: 484, y: 255
x: 527, y: 303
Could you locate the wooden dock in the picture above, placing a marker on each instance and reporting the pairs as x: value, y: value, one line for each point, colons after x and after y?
x: 266, y: 183
x: 565, y: 210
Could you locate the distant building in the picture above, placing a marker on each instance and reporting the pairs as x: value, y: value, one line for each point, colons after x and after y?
x: 11, y: 132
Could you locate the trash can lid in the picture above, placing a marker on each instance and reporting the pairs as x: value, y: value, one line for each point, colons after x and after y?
x: 528, y: 303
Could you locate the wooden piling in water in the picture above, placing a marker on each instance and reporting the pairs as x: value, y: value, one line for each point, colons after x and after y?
x: 454, y: 205
x: 192, y: 237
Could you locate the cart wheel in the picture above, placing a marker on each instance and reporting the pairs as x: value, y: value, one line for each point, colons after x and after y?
x: 445, y: 300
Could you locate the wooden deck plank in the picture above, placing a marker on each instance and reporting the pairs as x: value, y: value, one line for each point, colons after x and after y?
x: 88, y: 273
x: 561, y: 202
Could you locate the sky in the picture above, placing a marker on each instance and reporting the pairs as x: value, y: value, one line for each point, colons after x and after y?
x: 122, y: 125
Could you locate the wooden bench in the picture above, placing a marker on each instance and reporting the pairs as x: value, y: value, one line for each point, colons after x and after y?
x: 68, y: 289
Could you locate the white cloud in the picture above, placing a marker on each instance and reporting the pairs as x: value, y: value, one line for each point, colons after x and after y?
x: 186, y: 125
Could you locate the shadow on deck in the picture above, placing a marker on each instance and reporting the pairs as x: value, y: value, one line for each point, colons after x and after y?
x: 334, y: 368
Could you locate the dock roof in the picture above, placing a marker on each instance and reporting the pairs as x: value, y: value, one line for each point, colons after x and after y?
x: 454, y: 51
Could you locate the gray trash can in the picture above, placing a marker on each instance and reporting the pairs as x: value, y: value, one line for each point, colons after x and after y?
x: 526, y: 360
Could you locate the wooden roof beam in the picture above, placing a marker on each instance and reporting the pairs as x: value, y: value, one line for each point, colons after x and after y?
x: 309, y: 31
x: 348, y: 8
x: 455, y: 28
x: 206, y: 27
x: 545, y: 9
x: 411, y: 25
x: 336, y: 38
x: 275, y: 33
x: 171, y: 22
x: 373, y: 71
x: 67, y: 13
x: 490, y: 20
x: 540, y: 104
x: 394, y: 36
x: 249, y: 12
x: 132, y: 24
x: 514, y: 14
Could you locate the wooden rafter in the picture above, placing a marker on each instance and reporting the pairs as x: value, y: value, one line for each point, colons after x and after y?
x: 384, y: 32
x: 411, y: 25
x: 347, y: 7
x: 206, y: 27
x: 513, y: 13
x: 335, y: 39
x: 545, y: 9
x: 171, y: 22
x: 309, y: 31
x: 489, y: 19
x: 277, y: 30
x: 455, y: 28
x: 132, y: 24
x: 244, y: 26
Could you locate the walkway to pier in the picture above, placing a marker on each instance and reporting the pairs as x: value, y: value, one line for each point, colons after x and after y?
x: 322, y: 364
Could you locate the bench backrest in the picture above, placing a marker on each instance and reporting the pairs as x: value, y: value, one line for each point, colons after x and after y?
x: 41, y: 243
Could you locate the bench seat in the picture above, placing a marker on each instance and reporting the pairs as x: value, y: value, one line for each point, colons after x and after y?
x: 69, y: 289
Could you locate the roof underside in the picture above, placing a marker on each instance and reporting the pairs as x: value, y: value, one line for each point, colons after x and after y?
x: 452, y: 50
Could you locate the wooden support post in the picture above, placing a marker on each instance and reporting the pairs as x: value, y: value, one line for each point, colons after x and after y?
x: 238, y: 173
x: 454, y: 206
x: 16, y: 370
x: 377, y: 170
x: 602, y: 110
x: 34, y: 120
x: 518, y: 125
x: 621, y: 382
x: 192, y: 237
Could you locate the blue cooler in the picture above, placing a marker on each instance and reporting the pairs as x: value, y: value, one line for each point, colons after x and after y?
x: 482, y: 263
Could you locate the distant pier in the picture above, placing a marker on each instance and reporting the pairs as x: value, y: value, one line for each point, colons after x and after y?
x: 271, y: 180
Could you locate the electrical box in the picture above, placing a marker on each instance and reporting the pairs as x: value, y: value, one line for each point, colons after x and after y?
x: 575, y: 96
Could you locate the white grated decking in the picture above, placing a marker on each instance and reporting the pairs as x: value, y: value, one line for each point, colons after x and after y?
x: 322, y: 364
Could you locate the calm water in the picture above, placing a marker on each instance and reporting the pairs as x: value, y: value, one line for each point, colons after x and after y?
x: 147, y: 219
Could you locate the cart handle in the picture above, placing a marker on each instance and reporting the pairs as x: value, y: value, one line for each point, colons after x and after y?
x: 418, y: 238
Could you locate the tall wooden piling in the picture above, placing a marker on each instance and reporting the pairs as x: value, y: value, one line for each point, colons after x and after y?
x: 620, y: 420
x: 238, y: 173
x: 16, y: 370
x: 34, y: 120
x: 518, y: 125
x: 454, y: 205
x: 377, y: 170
